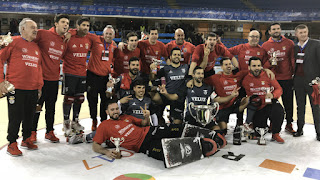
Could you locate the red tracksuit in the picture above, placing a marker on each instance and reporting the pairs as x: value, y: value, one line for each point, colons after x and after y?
x: 121, y: 59
x: 253, y: 86
x: 285, y: 53
x: 148, y: 51
x: 186, y: 48
x: 245, y: 52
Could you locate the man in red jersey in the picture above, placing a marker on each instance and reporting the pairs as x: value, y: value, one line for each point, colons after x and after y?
x: 283, y: 49
x: 151, y: 49
x: 74, y: 69
x: 186, y: 48
x: 52, y: 46
x: 24, y: 71
x: 205, y: 56
x: 121, y: 57
x: 244, y: 53
x: 267, y: 91
x: 98, y: 70
x: 138, y: 135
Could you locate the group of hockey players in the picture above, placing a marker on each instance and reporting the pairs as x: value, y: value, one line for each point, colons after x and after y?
x: 135, y: 87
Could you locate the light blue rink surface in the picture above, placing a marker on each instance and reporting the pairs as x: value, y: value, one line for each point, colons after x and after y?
x: 62, y: 161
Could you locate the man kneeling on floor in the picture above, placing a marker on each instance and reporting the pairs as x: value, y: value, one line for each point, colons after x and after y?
x: 154, y: 140
x: 264, y: 94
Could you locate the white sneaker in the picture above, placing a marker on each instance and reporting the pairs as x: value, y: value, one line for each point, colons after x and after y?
x: 66, y: 128
x: 77, y: 126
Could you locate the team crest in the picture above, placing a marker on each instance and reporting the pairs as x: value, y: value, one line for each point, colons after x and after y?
x: 81, y: 45
x: 117, y: 126
x: 25, y: 50
x: 36, y: 52
x: 251, y: 84
x: 148, y: 51
x: 235, y: 80
x: 157, y: 52
x: 126, y: 120
x: 125, y: 57
x: 205, y: 92
x: 61, y: 46
x: 185, y: 50
x: 11, y: 99
x: 225, y: 82
x: 87, y: 46
x: 263, y: 83
x: 258, y: 53
x: 283, y: 48
x: 247, y: 52
x: 183, y: 70
x: 52, y: 43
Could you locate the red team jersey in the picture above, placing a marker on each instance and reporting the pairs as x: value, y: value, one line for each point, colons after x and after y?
x: 121, y: 59
x: 75, y: 58
x: 101, y: 57
x: 219, y: 50
x: 127, y: 127
x: 186, y: 48
x: 245, y: 52
x: 225, y: 84
x: 256, y: 85
x: 285, y: 53
x: 149, y: 51
x: 24, y: 60
x: 52, y: 48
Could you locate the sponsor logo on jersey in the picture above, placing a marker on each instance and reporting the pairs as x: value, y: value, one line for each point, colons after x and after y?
x: 176, y: 77
x: 170, y: 72
x: 205, y: 92
x: 192, y: 91
x: 74, y: 46
x: 80, y: 55
x: 199, y: 99
x: 25, y: 50
x: 52, y: 43
x: 134, y: 103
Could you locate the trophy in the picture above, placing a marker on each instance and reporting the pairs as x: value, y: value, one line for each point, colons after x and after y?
x: 262, y: 132
x: 117, y: 142
x: 6, y: 40
x: 267, y: 90
x: 274, y: 60
x: 10, y: 88
x: 315, y: 81
x: 114, y: 81
x: 204, y: 113
x: 157, y: 62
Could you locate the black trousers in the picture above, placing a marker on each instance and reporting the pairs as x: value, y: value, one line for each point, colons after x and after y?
x: 152, y: 145
x: 21, y: 108
x: 302, y: 89
x: 272, y: 111
x: 49, y: 97
x: 287, y: 98
x: 96, y: 85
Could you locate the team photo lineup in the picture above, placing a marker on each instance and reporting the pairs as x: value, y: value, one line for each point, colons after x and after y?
x: 152, y: 96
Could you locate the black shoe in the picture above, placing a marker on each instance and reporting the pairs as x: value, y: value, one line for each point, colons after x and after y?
x: 298, y: 133
x: 318, y: 137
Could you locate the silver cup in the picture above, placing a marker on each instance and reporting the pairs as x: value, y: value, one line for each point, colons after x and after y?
x: 274, y: 59
x: 10, y: 88
x: 204, y: 113
x: 268, y: 90
x: 114, y: 81
x: 6, y: 40
x: 117, y: 142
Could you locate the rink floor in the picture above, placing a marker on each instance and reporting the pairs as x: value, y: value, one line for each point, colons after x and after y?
x: 297, y: 158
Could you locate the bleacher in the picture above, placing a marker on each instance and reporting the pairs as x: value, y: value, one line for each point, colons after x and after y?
x: 210, y: 4
x: 285, y: 5
x: 130, y: 3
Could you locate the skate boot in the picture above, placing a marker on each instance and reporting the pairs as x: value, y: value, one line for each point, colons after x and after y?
x: 262, y: 132
x: 76, y: 138
x: 243, y: 137
x: 237, y: 135
x: 75, y: 125
x: 67, y: 128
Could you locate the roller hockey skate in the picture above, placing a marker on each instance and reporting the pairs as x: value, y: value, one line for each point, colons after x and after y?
x: 76, y: 126
x: 66, y: 128
x: 262, y: 132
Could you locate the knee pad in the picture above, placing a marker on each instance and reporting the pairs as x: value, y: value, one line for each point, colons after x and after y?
x: 79, y: 99
x: 68, y: 99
